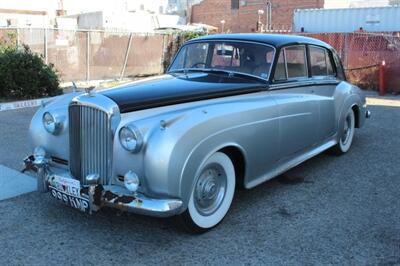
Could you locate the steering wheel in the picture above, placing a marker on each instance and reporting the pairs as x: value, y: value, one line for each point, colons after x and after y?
x: 196, y: 65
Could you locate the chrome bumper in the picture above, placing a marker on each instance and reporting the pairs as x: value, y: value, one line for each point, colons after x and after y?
x: 113, y: 196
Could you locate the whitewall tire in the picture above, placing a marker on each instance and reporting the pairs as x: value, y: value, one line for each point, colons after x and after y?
x: 211, y: 195
x: 346, y: 139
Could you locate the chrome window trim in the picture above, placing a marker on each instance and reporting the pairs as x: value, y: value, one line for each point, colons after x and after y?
x: 303, y: 83
x: 285, y: 63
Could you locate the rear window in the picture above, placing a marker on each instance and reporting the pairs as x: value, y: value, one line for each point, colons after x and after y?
x: 225, y: 56
x: 321, y: 64
x: 318, y: 62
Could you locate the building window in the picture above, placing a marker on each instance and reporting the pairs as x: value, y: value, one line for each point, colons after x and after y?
x: 234, y: 4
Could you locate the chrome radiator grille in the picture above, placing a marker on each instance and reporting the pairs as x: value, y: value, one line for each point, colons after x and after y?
x: 90, y: 140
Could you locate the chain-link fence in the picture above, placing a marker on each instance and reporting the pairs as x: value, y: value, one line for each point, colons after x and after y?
x: 94, y: 55
x: 362, y: 53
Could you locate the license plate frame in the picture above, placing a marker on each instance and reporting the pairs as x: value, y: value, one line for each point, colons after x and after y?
x: 68, y: 191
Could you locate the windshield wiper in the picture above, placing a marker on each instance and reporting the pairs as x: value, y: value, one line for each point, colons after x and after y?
x: 219, y: 71
x: 184, y: 70
x: 233, y: 74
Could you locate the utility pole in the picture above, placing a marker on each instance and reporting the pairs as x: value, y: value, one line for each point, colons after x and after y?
x: 268, y: 17
x: 259, y: 23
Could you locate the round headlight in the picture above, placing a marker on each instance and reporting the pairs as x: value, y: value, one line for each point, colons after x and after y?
x: 131, y: 181
x: 130, y: 138
x: 50, y: 123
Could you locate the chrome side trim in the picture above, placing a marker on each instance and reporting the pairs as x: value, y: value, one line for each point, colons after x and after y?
x: 292, y: 163
x: 302, y: 83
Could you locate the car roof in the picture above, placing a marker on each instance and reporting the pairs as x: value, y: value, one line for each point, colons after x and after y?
x: 277, y: 40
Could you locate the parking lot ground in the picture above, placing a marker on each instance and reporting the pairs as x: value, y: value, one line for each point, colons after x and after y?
x: 329, y: 210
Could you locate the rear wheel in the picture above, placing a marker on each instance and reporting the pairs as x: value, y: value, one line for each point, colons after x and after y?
x: 211, y: 195
x: 347, y: 136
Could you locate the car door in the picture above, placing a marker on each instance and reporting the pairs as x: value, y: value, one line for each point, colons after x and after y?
x: 298, y: 106
x: 323, y: 76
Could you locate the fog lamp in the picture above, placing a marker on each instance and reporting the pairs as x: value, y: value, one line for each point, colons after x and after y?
x: 40, y: 155
x: 131, y: 181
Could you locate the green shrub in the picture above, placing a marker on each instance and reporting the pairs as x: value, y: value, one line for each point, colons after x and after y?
x: 8, y: 40
x: 188, y: 35
x: 24, y: 75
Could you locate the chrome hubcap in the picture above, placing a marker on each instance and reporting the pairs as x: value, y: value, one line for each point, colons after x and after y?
x: 210, y: 189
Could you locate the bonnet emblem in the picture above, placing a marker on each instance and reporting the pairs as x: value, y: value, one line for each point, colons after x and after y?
x: 90, y: 90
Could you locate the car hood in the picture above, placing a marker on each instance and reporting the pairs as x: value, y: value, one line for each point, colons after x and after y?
x: 178, y: 88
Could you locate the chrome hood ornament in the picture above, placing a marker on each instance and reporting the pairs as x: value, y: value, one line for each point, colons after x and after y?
x: 90, y: 90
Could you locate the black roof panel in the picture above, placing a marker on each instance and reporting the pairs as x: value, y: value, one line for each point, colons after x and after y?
x: 276, y: 40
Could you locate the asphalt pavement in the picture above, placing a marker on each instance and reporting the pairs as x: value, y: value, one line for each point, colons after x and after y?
x: 328, y: 211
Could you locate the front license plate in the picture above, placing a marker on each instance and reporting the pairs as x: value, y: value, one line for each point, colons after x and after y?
x: 68, y: 191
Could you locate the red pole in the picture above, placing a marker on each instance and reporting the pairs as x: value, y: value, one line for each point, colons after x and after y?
x: 382, y: 78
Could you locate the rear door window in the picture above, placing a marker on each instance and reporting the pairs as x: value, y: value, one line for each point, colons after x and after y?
x: 292, y: 63
x: 296, y: 61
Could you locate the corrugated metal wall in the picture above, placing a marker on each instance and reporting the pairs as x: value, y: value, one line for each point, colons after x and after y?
x: 374, y: 19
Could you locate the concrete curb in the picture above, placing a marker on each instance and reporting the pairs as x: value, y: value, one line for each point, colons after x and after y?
x: 14, y: 183
x: 22, y: 104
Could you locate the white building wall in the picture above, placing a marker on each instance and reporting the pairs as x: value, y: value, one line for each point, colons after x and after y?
x: 92, y: 20
x: 144, y: 15
x: 126, y: 21
x: 23, y: 21
x: 154, y: 6
x: 355, y: 3
x: 374, y: 19
x: 49, y: 6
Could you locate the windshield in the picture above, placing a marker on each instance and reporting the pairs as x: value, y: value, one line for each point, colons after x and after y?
x: 240, y: 57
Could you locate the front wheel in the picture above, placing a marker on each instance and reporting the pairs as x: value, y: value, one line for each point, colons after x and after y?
x: 211, y: 195
x: 347, y: 136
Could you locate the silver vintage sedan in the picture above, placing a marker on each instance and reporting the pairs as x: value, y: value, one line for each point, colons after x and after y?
x: 233, y: 110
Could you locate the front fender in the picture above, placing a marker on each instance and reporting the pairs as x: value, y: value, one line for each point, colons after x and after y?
x: 174, y: 152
